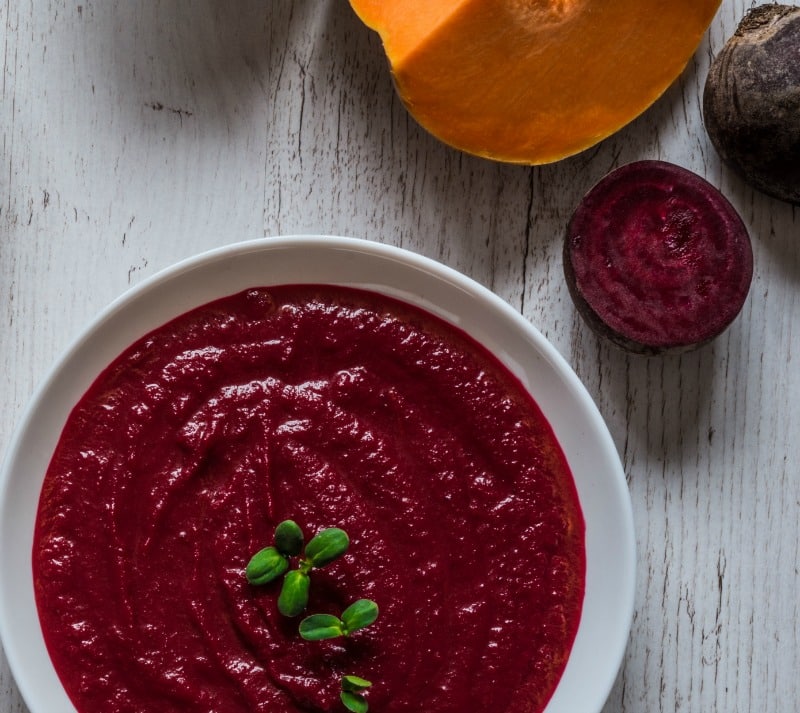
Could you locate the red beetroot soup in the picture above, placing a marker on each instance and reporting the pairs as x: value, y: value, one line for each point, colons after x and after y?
x: 332, y: 407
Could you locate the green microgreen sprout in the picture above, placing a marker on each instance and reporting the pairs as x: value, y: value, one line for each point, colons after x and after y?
x: 358, y: 615
x: 325, y: 547
x: 265, y: 565
x: 289, y: 538
x: 271, y: 562
x: 294, y: 593
x: 352, y: 693
x: 321, y: 626
x: 355, y: 684
x: 321, y: 550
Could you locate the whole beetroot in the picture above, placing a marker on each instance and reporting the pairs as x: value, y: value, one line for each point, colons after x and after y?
x: 751, y: 101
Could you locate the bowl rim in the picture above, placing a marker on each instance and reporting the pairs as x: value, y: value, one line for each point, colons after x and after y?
x: 613, y: 490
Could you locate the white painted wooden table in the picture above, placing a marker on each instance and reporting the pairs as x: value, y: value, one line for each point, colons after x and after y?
x: 137, y: 133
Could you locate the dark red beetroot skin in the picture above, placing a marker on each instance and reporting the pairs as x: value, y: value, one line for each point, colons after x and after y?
x: 751, y: 101
x: 657, y: 259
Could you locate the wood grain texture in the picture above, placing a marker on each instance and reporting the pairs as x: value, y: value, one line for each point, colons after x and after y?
x: 135, y: 134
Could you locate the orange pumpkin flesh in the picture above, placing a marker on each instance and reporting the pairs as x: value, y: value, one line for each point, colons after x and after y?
x: 533, y: 81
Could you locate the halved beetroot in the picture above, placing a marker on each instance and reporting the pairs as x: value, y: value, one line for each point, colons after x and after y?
x: 657, y: 259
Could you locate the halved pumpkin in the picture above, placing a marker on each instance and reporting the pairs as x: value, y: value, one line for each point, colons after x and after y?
x: 533, y: 81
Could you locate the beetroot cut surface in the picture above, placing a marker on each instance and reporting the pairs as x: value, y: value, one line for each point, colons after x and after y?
x: 657, y: 259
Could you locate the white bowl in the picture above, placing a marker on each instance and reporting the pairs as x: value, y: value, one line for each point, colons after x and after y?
x: 589, y: 449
